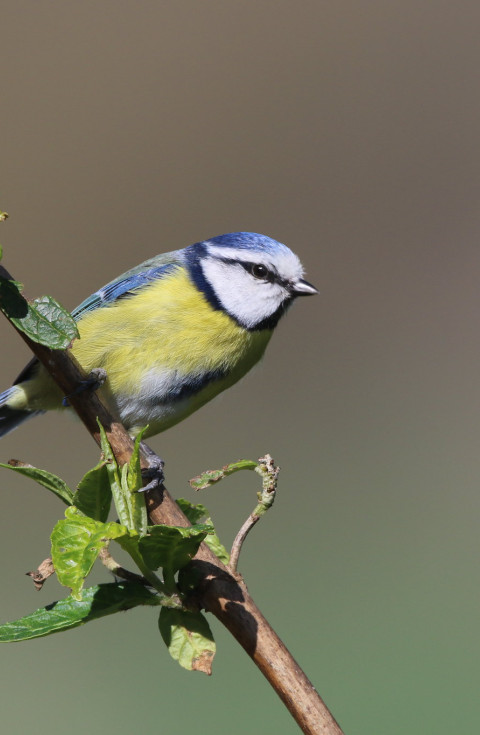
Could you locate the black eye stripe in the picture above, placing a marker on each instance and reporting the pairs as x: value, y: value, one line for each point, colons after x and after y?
x: 270, y: 275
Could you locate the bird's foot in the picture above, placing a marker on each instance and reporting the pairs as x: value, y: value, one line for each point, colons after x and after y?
x: 94, y: 381
x: 154, y: 473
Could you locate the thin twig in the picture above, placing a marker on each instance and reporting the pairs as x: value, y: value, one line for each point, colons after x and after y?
x: 115, y: 568
x: 238, y: 542
x: 269, y: 473
x: 218, y: 592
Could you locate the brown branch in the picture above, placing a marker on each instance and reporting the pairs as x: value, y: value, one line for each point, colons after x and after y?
x: 218, y: 592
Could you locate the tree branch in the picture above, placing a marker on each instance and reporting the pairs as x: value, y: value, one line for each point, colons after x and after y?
x: 218, y: 592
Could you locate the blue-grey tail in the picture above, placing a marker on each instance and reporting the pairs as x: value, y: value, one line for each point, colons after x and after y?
x: 10, y: 418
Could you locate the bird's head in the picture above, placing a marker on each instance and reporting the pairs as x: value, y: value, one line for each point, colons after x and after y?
x: 249, y: 276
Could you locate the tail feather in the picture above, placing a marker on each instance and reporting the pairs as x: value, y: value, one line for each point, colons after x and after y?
x: 11, y: 417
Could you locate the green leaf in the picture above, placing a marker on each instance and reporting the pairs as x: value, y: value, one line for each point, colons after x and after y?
x: 171, y: 547
x: 210, y: 477
x: 96, y: 602
x: 188, y: 638
x: 197, y: 512
x: 53, y: 483
x: 130, y: 544
x: 93, y: 495
x: 76, y: 543
x: 214, y: 544
x: 113, y: 471
x: 12, y: 303
x: 125, y: 483
x: 132, y: 482
x: 44, y: 320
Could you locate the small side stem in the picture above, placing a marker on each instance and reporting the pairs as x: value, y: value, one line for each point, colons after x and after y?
x: 238, y: 542
x: 113, y: 566
x: 269, y: 473
x: 169, y: 582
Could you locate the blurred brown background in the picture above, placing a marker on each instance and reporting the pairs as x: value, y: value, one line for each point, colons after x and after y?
x: 348, y: 131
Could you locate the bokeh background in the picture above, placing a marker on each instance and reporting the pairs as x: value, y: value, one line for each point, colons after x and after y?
x: 349, y: 131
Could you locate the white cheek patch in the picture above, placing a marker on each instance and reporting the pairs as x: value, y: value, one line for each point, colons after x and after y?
x: 249, y: 300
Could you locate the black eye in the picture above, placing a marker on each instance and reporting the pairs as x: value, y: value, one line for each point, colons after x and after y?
x: 259, y: 271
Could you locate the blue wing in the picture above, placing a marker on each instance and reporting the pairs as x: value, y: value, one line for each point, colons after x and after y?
x: 121, y: 287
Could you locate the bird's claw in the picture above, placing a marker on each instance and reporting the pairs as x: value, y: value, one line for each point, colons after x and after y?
x: 95, y: 380
x: 154, y: 473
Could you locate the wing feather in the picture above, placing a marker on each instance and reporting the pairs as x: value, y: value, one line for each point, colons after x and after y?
x: 125, y: 285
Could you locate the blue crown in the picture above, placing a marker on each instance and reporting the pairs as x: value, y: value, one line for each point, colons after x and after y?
x: 245, y: 241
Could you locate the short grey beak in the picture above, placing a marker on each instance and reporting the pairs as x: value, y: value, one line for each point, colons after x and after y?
x: 303, y: 288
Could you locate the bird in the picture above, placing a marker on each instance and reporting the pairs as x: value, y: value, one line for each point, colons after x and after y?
x: 173, y: 332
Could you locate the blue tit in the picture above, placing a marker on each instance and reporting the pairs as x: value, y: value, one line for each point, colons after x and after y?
x: 173, y: 332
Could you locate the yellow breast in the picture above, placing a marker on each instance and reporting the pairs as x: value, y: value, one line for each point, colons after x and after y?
x: 167, y: 326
